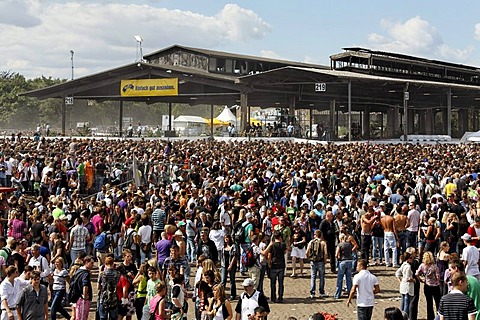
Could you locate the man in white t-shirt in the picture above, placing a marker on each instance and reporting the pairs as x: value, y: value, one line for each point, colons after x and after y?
x: 470, y: 256
x: 366, y: 286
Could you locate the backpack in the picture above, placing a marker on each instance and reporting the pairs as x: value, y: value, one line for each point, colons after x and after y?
x: 128, y: 240
x: 248, y: 257
x: 240, y: 232
x: 109, y: 296
x: 9, y: 261
x: 75, y: 286
x: 101, y: 242
x: 315, y: 254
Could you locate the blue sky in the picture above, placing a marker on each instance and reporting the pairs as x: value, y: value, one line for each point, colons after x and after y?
x: 37, y: 35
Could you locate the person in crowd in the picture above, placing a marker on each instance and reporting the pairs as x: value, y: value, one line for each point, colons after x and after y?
x: 429, y: 275
x: 32, y: 302
x: 405, y: 276
x: 345, y: 263
x: 249, y: 300
x: 457, y: 305
x: 365, y: 285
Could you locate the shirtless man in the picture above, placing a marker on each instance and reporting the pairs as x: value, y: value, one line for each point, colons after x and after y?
x: 390, y: 239
x: 401, y: 223
x: 366, y: 222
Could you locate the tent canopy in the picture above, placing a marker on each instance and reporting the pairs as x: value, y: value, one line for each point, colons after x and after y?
x: 191, y: 119
x: 226, y: 116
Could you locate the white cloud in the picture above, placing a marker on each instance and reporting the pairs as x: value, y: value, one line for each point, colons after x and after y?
x: 416, y: 36
x: 271, y: 55
x: 17, y: 13
x: 101, y: 34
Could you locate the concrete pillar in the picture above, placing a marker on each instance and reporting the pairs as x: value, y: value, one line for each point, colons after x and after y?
x: 243, y: 113
x: 366, y: 123
x: 332, y: 124
x: 449, y: 112
x: 475, y: 120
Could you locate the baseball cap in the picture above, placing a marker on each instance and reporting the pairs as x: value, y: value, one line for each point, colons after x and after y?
x: 467, y: 237
x: 248, y: 282
x: 181, y: 223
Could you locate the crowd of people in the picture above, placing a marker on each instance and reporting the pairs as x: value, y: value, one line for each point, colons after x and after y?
x: 146, y: 213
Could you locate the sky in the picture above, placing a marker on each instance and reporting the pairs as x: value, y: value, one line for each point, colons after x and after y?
x: 37, y: 36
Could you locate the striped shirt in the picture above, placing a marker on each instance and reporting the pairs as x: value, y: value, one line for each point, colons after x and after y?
x: 158, y: 219
x: 456, y: 306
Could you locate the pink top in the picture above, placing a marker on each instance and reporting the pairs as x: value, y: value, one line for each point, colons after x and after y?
x: 153, y: 305
x: 97, y: 222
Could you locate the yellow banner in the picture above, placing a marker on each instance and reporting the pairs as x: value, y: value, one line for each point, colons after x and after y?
x: 149, y: 87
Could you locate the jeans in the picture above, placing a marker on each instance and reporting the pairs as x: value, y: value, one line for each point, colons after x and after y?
x: 317, y: 271
x: 364, y: 313
x: 3, y: 182
x: 402, y: 238
x: 263, y: 271
x: 99, y: 182
x: 243, y: 247
x: 231, y: 276
x: 144, y: 256
x: 366, y: 243
x: 191, y: 248
x: 377, y: 244
x: 390, y: 243
x: 431, y: 294
x: 344, y: 269
x: 74, y: 254
x: 412, y: 238
x: 57, y: 297
x: 405, y: 304
x: 107, y: 314
x: 276, y: 274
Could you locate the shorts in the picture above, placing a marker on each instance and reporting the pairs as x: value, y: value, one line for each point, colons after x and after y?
x: 298, y: 253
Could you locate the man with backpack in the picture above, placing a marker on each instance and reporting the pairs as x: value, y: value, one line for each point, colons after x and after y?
x: 102, y: 244
x: 243, y: 235
x: 317, y: 254
x: 107, y: 288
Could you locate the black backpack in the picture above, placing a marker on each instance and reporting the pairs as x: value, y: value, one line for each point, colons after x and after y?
x: 9, y: 261
x: 108, y: 296
x: 76, y: 288
x: 240, y: 232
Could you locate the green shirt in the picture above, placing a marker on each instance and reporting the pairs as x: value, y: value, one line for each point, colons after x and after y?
x: 473, y: 291
x: 81, y: 169
x: 151, y: 292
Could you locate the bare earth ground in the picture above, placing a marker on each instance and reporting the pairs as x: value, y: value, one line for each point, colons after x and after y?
x: 297, y: 302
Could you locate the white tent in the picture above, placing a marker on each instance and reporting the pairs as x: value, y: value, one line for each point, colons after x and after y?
x: 189, y: 125
x: 471, y: 137
x: 227, y: 116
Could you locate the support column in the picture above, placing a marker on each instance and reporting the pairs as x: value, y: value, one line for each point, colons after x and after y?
x: 64, y: 114
x: 170, y: 116
x: 211, y: 121
x: 449, y: 112
x: 311, y: 122
x: 366, y: 123
x: 475, y: 120
x: 429, y: 118
x: 243, y: 112
x: 291, y: 110
x: 349, y: 110
x: 406, y: 97
x: 120, y: 122
x: 331, y: 125
x: 411, y: 121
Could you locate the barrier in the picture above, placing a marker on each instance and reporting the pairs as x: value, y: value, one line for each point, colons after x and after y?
x: 427, y: 137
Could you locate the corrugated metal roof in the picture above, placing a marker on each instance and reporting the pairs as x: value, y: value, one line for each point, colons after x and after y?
x: 346, y: 75
x: 223, y: 54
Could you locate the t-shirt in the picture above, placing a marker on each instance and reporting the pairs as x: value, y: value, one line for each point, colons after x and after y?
x: 470, y: 254
x: 278, y: 259
x: 456, y: 305
x: 365, y: 282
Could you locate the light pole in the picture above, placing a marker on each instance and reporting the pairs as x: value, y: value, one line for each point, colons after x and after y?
x: 139, y: 53
x: 71, y: 58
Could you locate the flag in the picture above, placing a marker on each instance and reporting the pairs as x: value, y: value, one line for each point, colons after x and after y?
x: 136, y: 175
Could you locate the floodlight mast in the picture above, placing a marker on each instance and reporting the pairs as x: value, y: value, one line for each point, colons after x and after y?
x: 71, y: 58
x: 139, y: 53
